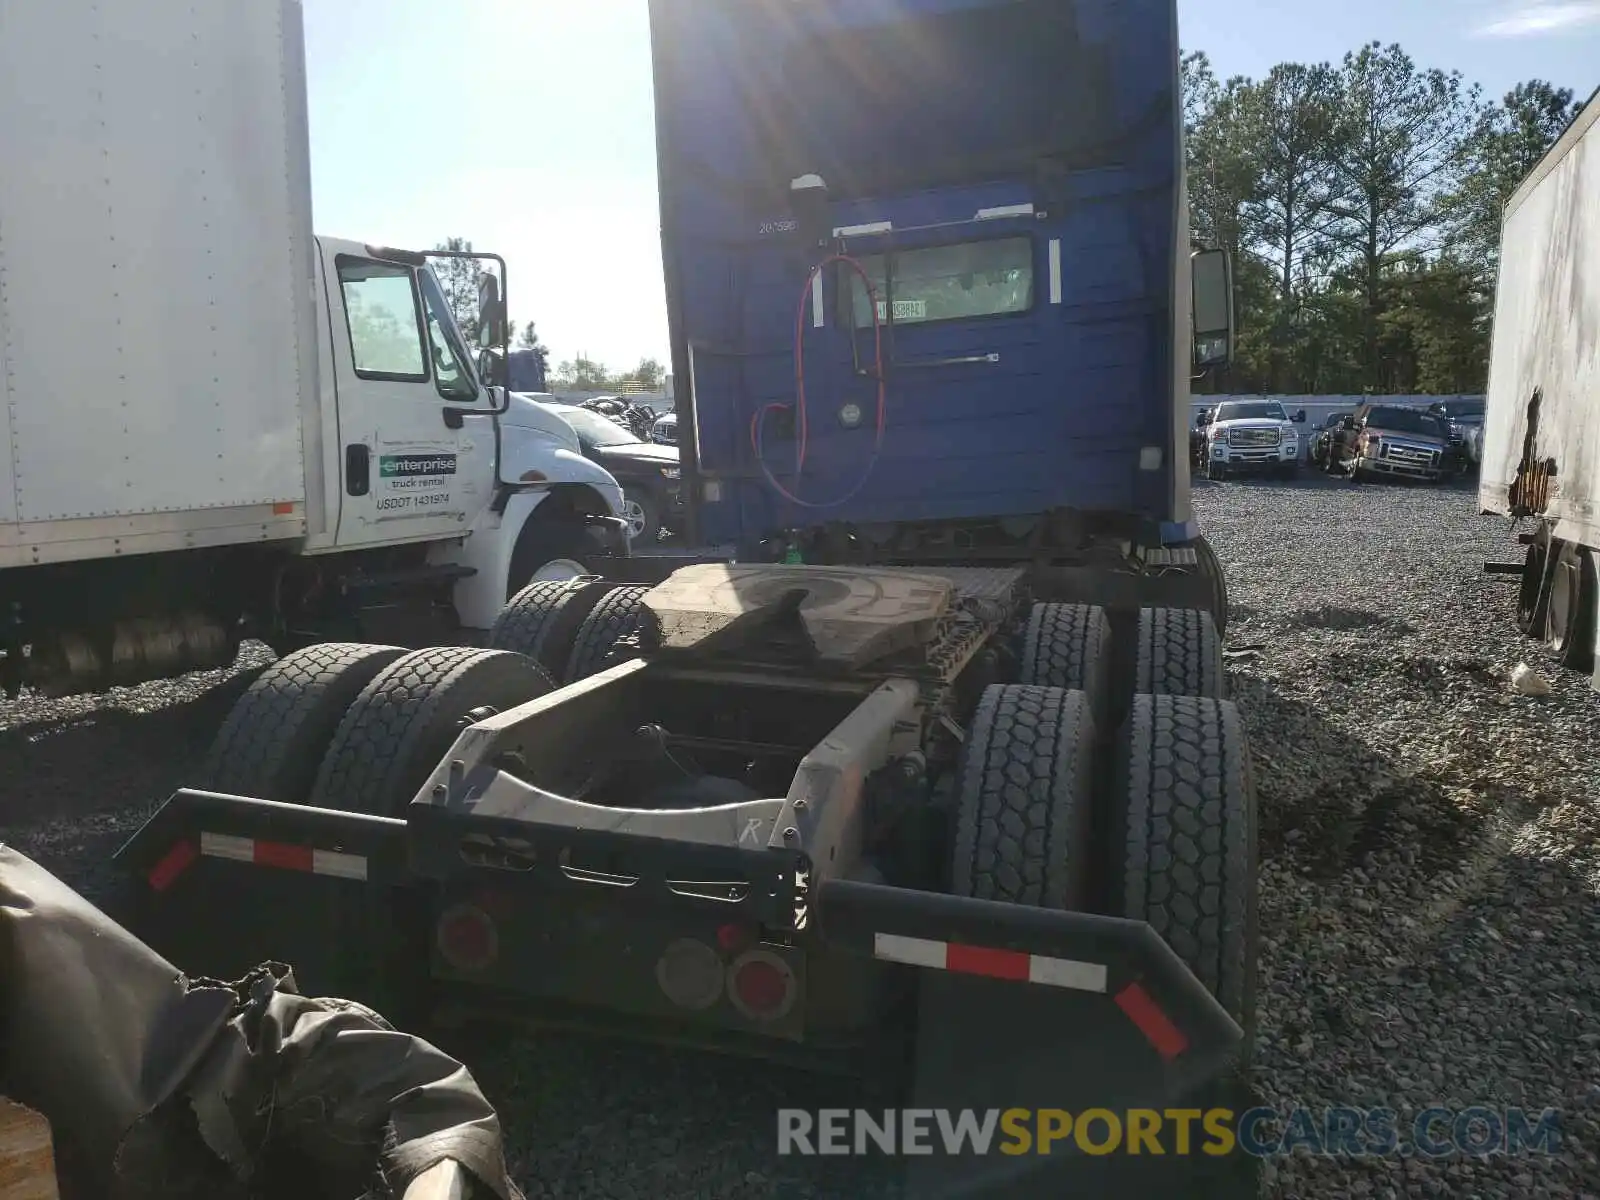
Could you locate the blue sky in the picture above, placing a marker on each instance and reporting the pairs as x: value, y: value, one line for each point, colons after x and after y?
x: 526, y: 125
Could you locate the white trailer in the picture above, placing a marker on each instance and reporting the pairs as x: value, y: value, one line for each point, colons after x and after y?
x: 217, y: 425
x: 1541, y: 441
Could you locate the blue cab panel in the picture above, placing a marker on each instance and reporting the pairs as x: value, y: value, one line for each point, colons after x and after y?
x: 1007, y: 175
x: 525, y: 371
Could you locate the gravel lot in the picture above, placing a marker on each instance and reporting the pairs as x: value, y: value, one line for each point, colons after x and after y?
x: 1428, y: 892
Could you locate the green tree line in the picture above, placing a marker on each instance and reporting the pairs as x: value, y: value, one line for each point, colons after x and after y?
x: 1361, y: 204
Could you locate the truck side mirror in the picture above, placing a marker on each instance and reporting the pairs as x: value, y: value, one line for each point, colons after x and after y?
x: 1300, y: 416
x: 1348, y: 423
x: 491, y: 312
x: 491, y: 369
x: 1211, y: 307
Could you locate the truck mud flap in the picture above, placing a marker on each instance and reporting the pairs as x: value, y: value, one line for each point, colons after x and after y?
x: 220, y: 884
x: 1030, y: 1018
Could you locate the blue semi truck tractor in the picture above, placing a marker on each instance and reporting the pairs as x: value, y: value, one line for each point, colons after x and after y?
x: 923, y: 761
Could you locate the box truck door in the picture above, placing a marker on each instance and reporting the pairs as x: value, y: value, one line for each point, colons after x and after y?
x: 416, y: 462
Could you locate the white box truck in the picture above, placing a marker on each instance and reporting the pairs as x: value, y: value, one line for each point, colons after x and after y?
x: 1541, y: 439
x: 218, y: 425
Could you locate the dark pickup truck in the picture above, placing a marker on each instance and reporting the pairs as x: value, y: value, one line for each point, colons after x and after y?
x: 1391, y: 440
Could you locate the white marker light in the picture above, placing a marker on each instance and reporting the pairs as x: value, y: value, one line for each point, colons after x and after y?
x: 850, y: 416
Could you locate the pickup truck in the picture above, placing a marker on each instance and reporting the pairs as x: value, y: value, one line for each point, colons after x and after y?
x: 1251, y: 436
x: 1389, y: 440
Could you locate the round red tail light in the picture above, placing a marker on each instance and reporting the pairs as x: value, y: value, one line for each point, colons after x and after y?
x: 761, y: 985
x: 467, y: 938
x: 690, y: 974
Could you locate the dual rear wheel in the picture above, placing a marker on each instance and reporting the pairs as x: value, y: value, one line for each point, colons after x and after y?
x: 1068, y: 799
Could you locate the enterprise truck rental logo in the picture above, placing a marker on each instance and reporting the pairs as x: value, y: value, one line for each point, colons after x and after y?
x: 1336, y: 1132
x: 406, y: 466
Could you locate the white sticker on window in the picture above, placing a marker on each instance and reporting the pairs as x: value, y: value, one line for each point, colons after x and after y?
x: 904, y: 310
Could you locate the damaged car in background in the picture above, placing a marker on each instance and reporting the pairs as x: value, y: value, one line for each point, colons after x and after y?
x: 1463, y: 421
x: 1389, y: 440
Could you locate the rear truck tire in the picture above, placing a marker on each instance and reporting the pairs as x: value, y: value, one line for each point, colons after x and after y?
x: 1024, y: 798
x: 542, y: 621
x: 406, y: 719
x: 1068, y: 646
x: 374, y: 940
x: 274, y: 737
x: 1179, y: 653
x: 1188, y: 863
x: 1569, y: 612
x: 601, y: 643
x: 1533, y: 596
x: 642, y: 511
x: 1211, y: 568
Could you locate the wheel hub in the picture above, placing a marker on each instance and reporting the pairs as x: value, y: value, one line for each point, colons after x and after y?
x: 633, y: 514
x: 559, y: 570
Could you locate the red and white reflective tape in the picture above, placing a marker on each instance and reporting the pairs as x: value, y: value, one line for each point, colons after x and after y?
x: 1135, y: 1002
x: 282, y: 855
x: 996, y: 964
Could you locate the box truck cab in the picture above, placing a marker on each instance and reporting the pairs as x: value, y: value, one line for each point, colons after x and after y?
x: 425, y: 450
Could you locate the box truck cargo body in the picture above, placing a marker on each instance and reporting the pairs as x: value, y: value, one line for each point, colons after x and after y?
x: 219, y: 425
x: 160, y: 378
x: 1541, y: 441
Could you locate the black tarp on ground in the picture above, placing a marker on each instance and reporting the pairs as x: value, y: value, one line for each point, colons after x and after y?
x: 159, y: 1085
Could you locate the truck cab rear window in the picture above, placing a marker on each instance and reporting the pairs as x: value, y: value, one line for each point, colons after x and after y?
x: 380, y: 304
x: 957, y: 282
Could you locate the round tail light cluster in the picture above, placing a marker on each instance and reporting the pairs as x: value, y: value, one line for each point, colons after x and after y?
x: 467, y: 938
x: 759, y: 984
x: 690, y: 973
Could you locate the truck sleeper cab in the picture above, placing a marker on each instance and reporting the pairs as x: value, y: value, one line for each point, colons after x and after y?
x: 1017, y: 384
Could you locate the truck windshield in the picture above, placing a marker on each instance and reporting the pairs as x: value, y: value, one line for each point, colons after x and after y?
x: 1255, y: 411
x: 454, y: 381
x: 1404, y: 420
x: 946, y: 283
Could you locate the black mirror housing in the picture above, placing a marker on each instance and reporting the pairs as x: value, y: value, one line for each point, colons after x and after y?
x: 491, y: 312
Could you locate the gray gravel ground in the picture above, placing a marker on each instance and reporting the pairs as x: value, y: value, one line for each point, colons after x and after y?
x: 1428, y: 891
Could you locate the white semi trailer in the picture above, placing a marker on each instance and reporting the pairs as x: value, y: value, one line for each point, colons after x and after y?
x: 1541, y: 441
x: 217, y: 425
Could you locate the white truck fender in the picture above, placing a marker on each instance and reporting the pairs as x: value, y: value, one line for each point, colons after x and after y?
x: 537, y: 445
x: 539, y: 456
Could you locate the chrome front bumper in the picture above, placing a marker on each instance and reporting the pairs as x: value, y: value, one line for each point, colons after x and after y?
x: 1410, y: 461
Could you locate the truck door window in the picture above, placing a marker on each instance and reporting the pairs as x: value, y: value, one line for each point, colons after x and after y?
x: 449, y: 358
x: 947, y: 283
x: 380, y: 306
